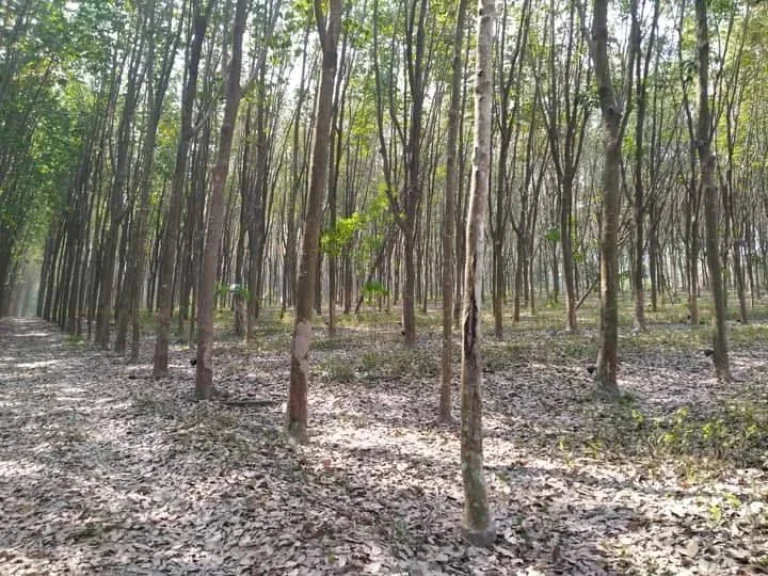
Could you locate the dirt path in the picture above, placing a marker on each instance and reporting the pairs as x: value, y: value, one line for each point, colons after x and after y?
x: 106, y: 471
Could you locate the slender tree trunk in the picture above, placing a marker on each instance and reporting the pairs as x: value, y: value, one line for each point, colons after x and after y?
x: 566, y: 243
x: 204, y: 368
x: 156, y: 90
x: 336, y: 148
x: 451, y: 183
x: 607, y: 358
x: 709, y: 190
x: 653, y: 251
x: 173, y: 215
x: 239, y: 321
x: 296, y: 416
x: 738, y: 271
x: 520, y: 271
x: 289, y: 268
x: 478, y: 525
x: 693, y: 257
x: 117, y: 209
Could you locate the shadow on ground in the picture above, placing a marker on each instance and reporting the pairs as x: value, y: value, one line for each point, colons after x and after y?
x: 104, y: 470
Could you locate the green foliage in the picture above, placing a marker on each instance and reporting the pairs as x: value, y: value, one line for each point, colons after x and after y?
x: 334, y: 241
x: 734, y: 431
x: 552, y: 235
x: 374, y: 288
x: 75, y: 341
x: 222, y: 290
x: 237, y: 290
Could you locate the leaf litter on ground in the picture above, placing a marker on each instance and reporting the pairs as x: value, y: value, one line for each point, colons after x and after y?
x: 107, y: 471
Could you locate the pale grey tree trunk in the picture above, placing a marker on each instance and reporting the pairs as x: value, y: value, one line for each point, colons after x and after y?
x: 451, y: 183
x: 478, y: 526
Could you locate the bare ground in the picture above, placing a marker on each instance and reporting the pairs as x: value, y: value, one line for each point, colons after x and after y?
x: 106, y: 471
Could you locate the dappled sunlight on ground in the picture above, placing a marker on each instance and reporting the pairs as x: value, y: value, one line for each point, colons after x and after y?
x: 106, y: 470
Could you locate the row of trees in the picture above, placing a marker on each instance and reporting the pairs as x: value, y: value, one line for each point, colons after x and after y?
x: 171, y: 156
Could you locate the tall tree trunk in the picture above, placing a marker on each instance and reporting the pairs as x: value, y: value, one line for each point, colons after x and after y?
x: 239, y: 321
x: 738, y: 270
x: 296, y: 416
x: 478, y: 525
x: 566, y: 243
x: 653, y: 251
x: 204, y: 367
x: 416, y: 64
x: 642, y: 67
x: 607, y: 358
x: 117, y: 208
x: 692, y: 229
x: 336, y: 147
x: 156, y: 90
x: 451, y: 183
x: 289, y: 268
x: 709, y: 191
x: 173, y: 215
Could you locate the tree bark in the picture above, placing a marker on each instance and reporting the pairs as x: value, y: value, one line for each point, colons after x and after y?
x: 478, y: 526
x: 296, y: 414
x: 173, y: 214
x: 709, y: 191
x: 451, y: 183
x: 204, y: 368
x: 289, y: 267
x: 607, y: 358
x: 117, y: 209
x: 156, y: 90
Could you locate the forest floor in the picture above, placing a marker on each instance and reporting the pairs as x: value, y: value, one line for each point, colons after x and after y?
x: 104, y: 470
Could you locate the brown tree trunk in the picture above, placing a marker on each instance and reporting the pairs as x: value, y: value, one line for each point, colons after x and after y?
x: 117, y: 209
x: 641, y: 70
x: 607, y: 358
x: 336, y: 147
x: 296, y: 414
x: 566, y: 242
x: 410, y: 198
x: 289, y: 262
x: 173, y: 215
x: 709, y: 191
x: 204, y: 368
x: 156, y: 95
x: 693, y: 255
x: 738, y: 271
x: 653, y: 250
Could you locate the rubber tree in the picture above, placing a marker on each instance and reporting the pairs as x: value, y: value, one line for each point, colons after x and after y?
x: 117, y: 206
x: 508, y: 92
x: 451, y: 184
x: 206, y: 301
x: 566, y: 116
x: 613, y: 128
x: 478, y: 525
x: 328, y: 32
x: 709, y: 191
x: 200, y: 18
x: 642, y: 69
